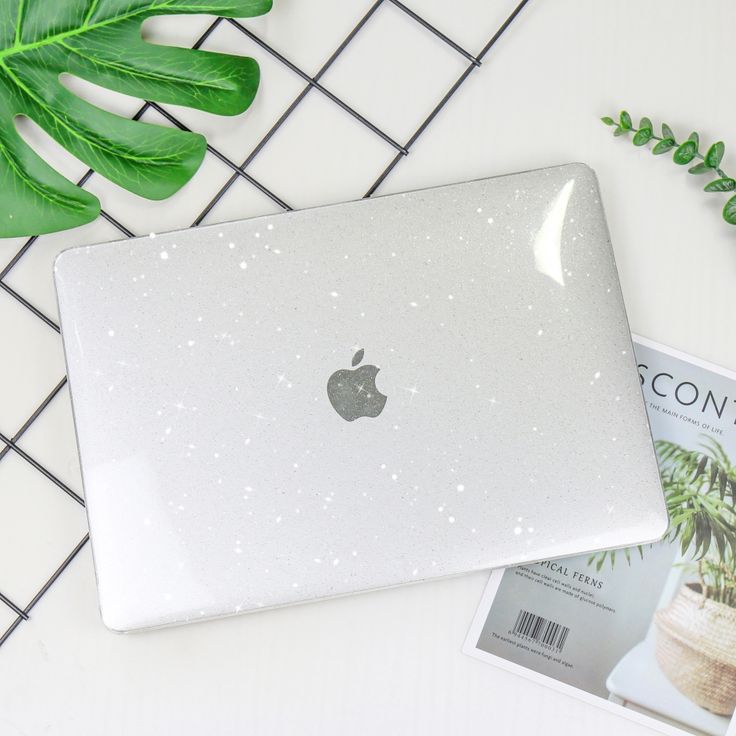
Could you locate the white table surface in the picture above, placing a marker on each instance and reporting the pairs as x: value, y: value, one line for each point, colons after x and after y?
x: 386, y: 662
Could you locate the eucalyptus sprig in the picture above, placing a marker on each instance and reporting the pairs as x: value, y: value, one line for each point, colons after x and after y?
x: 683, y: 154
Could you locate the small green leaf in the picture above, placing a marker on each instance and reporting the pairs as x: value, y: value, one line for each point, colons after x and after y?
x: 721, y: 185
x: 701, y: 467
x: 701, y: 168
x: 619, y: 130
x: 667, y: 132
x: 694, y: 138
x: 642, y: 137
x: 645, y: 124
x: 608, y: 121
x: 686, y: 538
x: 713, y: 475
x: 729, y: 211
x: 715, y: 154
x: 685, y: 152
x: 625, y: 120
x: 663, y: 146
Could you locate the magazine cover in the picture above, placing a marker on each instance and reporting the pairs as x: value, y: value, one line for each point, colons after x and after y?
x: 648, y: 632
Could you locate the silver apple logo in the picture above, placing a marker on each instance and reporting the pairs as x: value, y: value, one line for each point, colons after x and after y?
x: 353, y: 394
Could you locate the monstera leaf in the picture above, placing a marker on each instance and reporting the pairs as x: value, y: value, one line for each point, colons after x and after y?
x: 100, y: 41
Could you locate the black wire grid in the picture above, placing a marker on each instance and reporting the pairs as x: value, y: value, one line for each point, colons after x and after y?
x: 11, y: 444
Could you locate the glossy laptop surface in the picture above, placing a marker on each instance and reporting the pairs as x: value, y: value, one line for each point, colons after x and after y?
x: 355, y: 396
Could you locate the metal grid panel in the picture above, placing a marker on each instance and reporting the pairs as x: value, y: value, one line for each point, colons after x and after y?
x: 22, y: 610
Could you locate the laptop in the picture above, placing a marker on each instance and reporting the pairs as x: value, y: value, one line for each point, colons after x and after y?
x: 355, y: 396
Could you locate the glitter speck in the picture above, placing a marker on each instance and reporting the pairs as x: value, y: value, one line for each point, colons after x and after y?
x: 243, y: 265
x: 460, y: 487
x: 111, y: 333
x: 490, y: 221
x: 517, y: 530
x: 451, y: 519
x: 334, y: 294
x: 164, y: 255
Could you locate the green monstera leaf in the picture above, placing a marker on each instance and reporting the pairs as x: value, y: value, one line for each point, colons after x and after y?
x: 100, y: 41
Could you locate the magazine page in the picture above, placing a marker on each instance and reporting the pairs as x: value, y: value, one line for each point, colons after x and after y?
x: 648, y: 632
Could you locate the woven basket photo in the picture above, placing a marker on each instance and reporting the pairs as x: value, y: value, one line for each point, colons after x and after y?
x: 696, y: 649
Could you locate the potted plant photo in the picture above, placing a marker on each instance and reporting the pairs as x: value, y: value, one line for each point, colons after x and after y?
x: 696, y: 632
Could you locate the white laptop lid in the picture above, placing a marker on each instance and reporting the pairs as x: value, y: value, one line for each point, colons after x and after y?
x: 227, y: 469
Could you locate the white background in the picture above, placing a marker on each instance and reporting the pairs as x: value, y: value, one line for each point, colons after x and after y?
x: 386, y: 662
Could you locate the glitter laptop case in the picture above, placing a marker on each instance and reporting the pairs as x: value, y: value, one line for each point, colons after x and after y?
x: 355, y: 396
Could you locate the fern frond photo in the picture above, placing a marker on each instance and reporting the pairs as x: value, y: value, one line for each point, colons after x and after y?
x: 700, y: 492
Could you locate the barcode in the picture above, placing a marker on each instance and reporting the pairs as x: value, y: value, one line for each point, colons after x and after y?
x: 541, y: 630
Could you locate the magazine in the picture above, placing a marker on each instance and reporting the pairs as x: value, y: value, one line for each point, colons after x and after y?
x: 647, y: 632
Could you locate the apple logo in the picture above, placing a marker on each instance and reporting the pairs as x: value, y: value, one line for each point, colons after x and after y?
x: 353, y: 393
